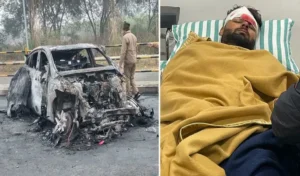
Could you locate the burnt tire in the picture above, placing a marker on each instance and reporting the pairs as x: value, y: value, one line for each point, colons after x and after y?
x: 70, y: 129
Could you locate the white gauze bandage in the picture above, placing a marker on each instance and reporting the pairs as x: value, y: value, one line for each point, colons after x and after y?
x: 243, y: 13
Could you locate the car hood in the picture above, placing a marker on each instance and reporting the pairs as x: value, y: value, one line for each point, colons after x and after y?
x: 89, y: 70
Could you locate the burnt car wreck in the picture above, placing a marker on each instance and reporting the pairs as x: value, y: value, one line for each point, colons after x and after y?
x: 65, y: 85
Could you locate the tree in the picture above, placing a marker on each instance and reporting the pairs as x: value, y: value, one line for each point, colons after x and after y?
x: 107, y: 7
x: 33, y: 6
x: 152, y: 12
x: 90, y: 7
x: 98, y: 13
x: 133, y: 8
x: 12, y: 18
x: 3, y: 37
x: 53, y: 13
x: 69, y: 20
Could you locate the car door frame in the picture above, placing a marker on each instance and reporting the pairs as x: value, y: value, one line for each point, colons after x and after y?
x: 44, y: 80
x: 36, y: 88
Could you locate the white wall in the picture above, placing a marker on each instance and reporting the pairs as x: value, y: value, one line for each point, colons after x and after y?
x: 195, y: 10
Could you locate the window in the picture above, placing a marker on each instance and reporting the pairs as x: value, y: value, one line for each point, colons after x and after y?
x: 43, y: 62
x: 71, y: 59
x: 99, y: 58
x: 33, y: 60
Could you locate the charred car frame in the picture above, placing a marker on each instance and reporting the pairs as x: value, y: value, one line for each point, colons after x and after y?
x: 66, y: 86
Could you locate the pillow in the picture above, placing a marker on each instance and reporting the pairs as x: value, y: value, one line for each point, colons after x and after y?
x: 274, y: 36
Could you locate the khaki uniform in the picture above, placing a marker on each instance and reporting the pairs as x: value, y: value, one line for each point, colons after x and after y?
x: 128, y: 61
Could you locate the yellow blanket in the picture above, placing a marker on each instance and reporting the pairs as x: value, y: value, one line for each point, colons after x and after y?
x: 214, y: 96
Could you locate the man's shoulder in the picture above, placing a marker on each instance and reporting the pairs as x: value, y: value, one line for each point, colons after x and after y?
x: 131, y: 34
x: 128, y: 35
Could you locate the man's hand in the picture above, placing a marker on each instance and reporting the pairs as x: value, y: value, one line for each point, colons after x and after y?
x: 150, y: 45
x: 153, y: 44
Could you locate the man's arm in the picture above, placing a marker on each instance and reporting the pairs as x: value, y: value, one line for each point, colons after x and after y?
x: 153, y: 44
x: 123, y: 54
x: 286, y: 116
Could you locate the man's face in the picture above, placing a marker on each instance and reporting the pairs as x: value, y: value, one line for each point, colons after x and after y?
x: 239, y: 32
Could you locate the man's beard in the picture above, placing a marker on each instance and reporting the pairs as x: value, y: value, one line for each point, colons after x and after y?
x: 234, y: 38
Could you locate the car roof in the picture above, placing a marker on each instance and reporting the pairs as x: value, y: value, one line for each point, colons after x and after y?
x: 66, y: 47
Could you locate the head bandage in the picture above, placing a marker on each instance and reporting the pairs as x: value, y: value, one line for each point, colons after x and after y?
x: 243, y: 13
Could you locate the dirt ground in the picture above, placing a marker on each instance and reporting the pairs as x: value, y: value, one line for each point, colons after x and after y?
x: 24, y: 153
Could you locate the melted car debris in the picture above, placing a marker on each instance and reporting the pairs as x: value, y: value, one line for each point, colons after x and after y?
x: 83, y: 102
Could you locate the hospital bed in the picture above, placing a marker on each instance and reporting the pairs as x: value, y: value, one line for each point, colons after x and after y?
x: 275, y: 36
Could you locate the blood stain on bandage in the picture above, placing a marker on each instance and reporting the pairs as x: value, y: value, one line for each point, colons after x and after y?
x: 248, y: 19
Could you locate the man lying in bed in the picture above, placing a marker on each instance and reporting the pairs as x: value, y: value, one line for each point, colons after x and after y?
x: 216, y: 104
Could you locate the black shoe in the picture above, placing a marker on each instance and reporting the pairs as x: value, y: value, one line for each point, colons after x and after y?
x: 137, y: 96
